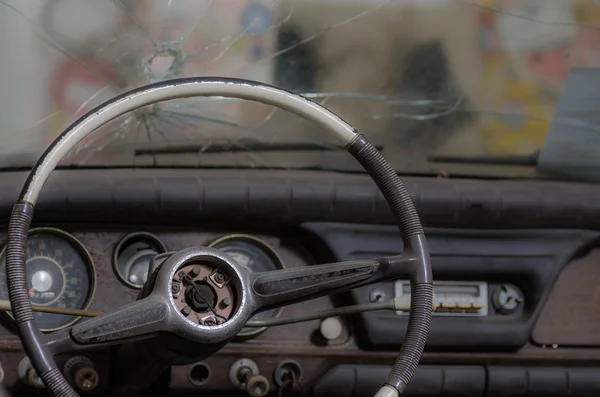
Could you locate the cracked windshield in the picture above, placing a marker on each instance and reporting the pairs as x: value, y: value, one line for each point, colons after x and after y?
x: 442, y: 87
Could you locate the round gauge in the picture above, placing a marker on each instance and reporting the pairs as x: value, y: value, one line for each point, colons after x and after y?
x: 257, y: 256
x: 133, y: 255
x: 60, y: 273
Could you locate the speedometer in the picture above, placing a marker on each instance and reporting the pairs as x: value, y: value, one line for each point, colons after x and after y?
x: 60, y: 274
x: 256, y: 255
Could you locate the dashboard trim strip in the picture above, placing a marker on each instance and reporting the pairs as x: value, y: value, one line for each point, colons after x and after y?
x: 146, y: 196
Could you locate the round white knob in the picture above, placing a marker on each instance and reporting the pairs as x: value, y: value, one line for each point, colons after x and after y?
x: 331, y: 328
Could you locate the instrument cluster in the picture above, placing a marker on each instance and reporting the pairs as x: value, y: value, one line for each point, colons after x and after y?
x: 61, y: 272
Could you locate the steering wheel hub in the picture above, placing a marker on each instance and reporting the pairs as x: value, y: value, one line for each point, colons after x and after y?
x: 202, y: 293
x: 205, y: 288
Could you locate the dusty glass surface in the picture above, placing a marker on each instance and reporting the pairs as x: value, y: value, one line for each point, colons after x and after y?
x: 428, y: 81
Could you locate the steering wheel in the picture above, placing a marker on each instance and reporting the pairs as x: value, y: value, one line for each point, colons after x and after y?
x: 156, y: 312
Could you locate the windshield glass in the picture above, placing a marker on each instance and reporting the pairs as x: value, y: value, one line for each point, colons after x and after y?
x: 430, y: 82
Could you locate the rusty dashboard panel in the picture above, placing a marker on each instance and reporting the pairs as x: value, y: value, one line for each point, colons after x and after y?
x: 112, y: 291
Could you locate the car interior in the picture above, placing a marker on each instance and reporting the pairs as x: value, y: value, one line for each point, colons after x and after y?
x: 300, y: 198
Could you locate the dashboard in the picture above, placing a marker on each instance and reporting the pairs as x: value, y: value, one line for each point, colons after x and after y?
x: 516, y: 267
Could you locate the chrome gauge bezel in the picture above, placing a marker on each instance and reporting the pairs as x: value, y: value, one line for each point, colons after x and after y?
x: 88, y: 261
x: 269, y: 250
x: 127, y: 238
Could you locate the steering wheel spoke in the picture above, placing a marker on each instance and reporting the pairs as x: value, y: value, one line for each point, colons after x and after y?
x: 141, y: 319
x: 286, y: 286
